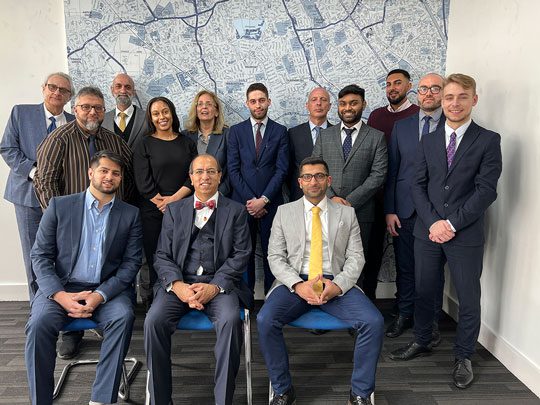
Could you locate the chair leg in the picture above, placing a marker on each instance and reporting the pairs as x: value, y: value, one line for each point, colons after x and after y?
x: 372, y: 397
x: 270, y: 392
x: 247, y: 354
x: 147, y: 398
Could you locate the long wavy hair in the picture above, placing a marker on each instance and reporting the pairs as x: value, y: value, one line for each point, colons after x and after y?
x: 175, y: 121
x: 193, y: 123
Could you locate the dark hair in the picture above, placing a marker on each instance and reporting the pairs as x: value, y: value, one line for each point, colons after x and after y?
x: 256, y: 86
x: 89, y: 91
x: 175, y: 120
x: 106, y: 154
x: 401, y: 71
x: 311, y: 160
x: 205, y: 155
x: 352, y: 89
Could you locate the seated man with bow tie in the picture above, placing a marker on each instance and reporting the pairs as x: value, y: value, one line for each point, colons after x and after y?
x: 315, y: 253
x: 202, y: 252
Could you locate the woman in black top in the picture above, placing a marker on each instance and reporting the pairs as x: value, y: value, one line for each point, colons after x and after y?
x: 161, y: 165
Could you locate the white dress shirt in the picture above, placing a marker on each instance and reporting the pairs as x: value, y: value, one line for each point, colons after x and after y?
x: 201, y: 217
x: 402, y: 107
x: 129, y: 113
x: 254, y: 128
x: 354, y: 135
x: 459, y: 132
x: 312, y: 126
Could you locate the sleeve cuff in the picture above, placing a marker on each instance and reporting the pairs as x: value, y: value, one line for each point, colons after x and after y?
x: 103, y: 295
x: 451, y: 226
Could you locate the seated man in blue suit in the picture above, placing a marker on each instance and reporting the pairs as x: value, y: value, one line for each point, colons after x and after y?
x: 315, y: 252
x: 203, y: 250
x: 87, y: 253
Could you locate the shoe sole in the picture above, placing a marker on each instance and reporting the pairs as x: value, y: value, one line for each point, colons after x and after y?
x: 424, y: 354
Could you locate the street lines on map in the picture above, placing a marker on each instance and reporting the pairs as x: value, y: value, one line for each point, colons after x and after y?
x: 349, y: 15
x: 433, y: 20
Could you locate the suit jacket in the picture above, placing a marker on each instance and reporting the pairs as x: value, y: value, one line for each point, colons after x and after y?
x: 402, y: 151
x: 300, y: 147
x: 54, y: 254
x: 232, y: 245
x: 288, y: 239
x: 251, y: 177
x: 359, y: 177
x: 462, y: 193
x: 25, y: 130
x: 140, y: 125
x: 217, y: 147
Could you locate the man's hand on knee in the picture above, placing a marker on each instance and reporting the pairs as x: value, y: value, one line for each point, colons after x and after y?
x: 204, y: 292
x: 70, y: 303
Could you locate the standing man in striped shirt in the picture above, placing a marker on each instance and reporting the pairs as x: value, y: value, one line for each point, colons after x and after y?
x: 63, y: 159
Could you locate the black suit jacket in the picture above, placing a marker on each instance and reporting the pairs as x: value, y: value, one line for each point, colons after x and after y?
x: 461, y: 193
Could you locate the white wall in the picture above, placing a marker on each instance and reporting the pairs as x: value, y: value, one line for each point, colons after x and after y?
x: 496, y: 42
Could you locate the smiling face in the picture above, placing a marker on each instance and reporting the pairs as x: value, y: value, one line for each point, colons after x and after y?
x: 206, y: 108
x: 258, y: 104
x: 397, y: 86
x: 205, y: 176
x: 350, y: 108
x: 161, y: 116
x: 457, y: 104
x: 90, y: 120
x: 314, y: 189
x: 429, y: 102
x: 105, y: 177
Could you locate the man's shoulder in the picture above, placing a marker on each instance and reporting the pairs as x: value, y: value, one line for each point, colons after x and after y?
x: 62, y: 132
x: 303, y: 127
x: 240, y: 126
x: 374, y: 132
x: 26, y: 108
x: 276, y: 124
x: 126, y: 207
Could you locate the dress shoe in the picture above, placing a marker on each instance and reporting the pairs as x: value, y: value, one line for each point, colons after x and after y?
x: 463, y: 374
x: 288, y: 398
x: 410, y: 351
x: 70, y: 344
x: 358, y: 400
x: 399, y: 325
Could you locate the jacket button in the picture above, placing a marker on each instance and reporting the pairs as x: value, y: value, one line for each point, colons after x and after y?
x: 446, y: 205
x: 446, y: 187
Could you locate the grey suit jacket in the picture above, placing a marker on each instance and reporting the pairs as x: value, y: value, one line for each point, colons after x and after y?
x: 288, y: 239
x: 363, y: 173
x: 140, y: 125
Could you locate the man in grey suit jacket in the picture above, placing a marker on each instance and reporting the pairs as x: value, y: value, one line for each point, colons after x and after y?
x: 317, y: 268
x: 126, y: 120
x: 28, y: 125
x: 357, y: 157
x: 87, y: 253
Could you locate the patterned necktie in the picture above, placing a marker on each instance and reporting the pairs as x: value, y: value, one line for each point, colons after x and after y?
x: 451, y: 149
x: 315, y: 254
x: 425, y: 128
x: 92, y: 145
x: 122, y: 122
x: 52, y: 125
x: 317, y: 133
x: 258, y: 139
x: 199, y: 205
x: 347, y: 143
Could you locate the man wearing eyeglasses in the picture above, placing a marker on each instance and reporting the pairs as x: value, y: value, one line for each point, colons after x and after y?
x: 63, y: 159
x: 316, y: 255
x: 203, y: 250
x: 398, y: 204
x: 28, y: 125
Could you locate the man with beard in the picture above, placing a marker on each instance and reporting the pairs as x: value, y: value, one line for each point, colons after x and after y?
x: 63, y: 159
x: 87, y: 253
x: 398, y: 203
x: 126, y: 120
x: 258, y: 160
x: 357, y: 159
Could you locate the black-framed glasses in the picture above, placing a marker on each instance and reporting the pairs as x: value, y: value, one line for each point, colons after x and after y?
x: 63, y: 91
x: 88, y: 108
x: 434, y: 89
x: 318, y: 176
x: 210, y: 172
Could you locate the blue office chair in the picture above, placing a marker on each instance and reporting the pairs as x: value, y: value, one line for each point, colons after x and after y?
x: 316, y: 318
x: 86, y: 324
x: 197, y: 320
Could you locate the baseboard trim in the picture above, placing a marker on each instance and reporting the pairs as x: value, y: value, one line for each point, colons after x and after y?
x: 14, y: 292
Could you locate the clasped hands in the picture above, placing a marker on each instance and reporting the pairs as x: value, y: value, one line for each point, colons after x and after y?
x: 72, y: 302
x: 195, y: 295
x: 161, y: 201
x: 441, y: 232
x: 255, y: 207
x: 305, y: 290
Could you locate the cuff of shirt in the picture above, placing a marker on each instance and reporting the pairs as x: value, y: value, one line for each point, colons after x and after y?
x: 32, y: 173
x: 451, y: 226
x: 103, y: 295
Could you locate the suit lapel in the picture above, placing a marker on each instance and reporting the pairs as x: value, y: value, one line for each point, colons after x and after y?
x: 334, y: 218
x: 112, y: 227
x: 299, y: 213
x: 187, y: 215
x: 335, y: 133
x: 439, y: 142
x: 76, y: 227
x: 248, y: 133
x: 468, y: 139
x: 360, y: 138
x: 214, y: 143
x: 267, y: 134
x: 222, y: 217
x: 42, y: 119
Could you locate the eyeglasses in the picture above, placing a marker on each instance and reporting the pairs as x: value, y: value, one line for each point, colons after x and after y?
x: 210, y: 172
x: 206, y: 104
x: 88, y: 108
x: 318, y: 176
x: 424, y: 89
x: 63, y: 91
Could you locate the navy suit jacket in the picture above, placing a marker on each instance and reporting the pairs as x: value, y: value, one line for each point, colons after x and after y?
x: 217, y: 147
x: 25, y: 130
x: 251, y: 177
x: 54, y: 254
x: 462, y: 193
x: 402, y: 152
x: 232, y: 245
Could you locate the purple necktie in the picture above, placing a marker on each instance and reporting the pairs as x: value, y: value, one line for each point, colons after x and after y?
x: 451, y: 149
x: 258, y: 139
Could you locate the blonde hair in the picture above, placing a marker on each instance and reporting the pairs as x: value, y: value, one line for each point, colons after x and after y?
x: 467, y: 82
x: 193, y: 122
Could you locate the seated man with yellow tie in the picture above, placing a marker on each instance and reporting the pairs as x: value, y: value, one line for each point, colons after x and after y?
x: 315, y: 253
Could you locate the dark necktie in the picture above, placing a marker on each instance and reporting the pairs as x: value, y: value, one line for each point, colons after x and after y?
x: 347, y: 143
x: 451, y: 149
x: 199, y: 205
x: 258, y: 139
x: 92, y: 145
x: 317, y: 133
x: 425, y: 128
x: 52, y: 125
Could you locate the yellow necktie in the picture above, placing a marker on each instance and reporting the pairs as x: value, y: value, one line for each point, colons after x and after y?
x: 122, y: 122
x: 315, y: 254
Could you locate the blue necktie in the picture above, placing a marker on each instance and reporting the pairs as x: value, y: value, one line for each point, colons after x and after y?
x: 52, y: 125
x: 425, y: 128
x: 317, y: 133
x: 347, y: 143
x: 92, y: 145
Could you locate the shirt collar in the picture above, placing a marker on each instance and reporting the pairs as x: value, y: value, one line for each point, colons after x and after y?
x: 312, y: 126
x: 435, y: 115
x: 254, y: 121
x: 91, y: 201
x: 459, y: 131
x: 48, y: 114
x: 214, y: 197
x: 128, y: 111
x: 357, y: 126
x: 323, y: 204
x: 402, y: 107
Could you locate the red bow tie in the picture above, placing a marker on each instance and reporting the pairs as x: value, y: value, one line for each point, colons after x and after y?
x: 199, y: 205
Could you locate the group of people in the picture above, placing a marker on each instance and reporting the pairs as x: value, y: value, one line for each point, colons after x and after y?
x: 93, y: 190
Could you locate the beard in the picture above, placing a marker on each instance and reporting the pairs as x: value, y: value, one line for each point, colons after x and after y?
x: 124, y: 100
x: 399, y: 98
x: 92, y: 125
x: 351, y: 120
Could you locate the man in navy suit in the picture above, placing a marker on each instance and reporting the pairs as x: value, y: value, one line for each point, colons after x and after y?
x: 28, y: 125
x: 398, y: 203
x: 258, y: 160
x: 303, y: 136
x: 87, y: 253
x: 203, y: 250
x: 455, y: 181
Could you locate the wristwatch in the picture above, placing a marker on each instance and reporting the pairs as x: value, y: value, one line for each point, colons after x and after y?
x: 265, y: 199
